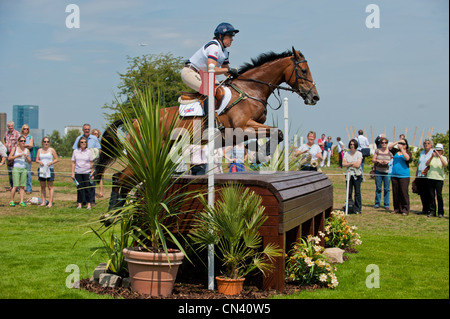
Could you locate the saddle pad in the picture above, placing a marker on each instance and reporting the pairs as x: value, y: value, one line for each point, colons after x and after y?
x: 191, y: 109
x: 195, y: 109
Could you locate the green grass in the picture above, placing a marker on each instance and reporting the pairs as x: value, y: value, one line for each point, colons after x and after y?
x: 411, y: 264
x: 36, y: 246
x: 411, y: 252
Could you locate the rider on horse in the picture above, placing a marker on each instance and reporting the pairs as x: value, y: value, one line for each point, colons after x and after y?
x: 214, y: 52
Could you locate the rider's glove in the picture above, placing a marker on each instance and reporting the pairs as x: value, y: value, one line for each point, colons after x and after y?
x: 233, y: 72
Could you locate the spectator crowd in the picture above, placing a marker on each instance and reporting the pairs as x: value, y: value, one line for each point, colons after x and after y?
x: 390, y: 167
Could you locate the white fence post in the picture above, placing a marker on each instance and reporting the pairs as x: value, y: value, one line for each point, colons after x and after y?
x: 347, y: 177
x: 211, y: 115
x: 286, y: 135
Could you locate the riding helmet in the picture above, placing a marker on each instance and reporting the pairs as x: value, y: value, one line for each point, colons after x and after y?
x: 225, y: 29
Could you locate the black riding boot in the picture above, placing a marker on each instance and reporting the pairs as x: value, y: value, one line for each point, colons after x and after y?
x: 206, y: 112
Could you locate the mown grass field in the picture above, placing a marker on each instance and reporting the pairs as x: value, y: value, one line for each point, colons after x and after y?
x: 38, y: 244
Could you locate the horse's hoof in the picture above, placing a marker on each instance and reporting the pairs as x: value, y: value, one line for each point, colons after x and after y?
x: 280, y: 136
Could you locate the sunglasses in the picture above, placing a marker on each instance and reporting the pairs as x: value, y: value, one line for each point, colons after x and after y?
x: 45, y: 141
x: 402, y: 143
x: 25, y: 128
x: 383, y: 142
x: 22, y: 141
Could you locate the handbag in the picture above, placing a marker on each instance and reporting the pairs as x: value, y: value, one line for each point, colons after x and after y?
x: 372, y: 172
x: 414, y: 187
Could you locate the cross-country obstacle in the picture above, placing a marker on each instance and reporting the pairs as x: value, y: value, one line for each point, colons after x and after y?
x: 296, y: 203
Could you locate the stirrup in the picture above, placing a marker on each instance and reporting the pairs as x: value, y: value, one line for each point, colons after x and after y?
x: 219, y: 126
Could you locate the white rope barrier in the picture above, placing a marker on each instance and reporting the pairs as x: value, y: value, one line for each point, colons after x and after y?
x: 68, y: 174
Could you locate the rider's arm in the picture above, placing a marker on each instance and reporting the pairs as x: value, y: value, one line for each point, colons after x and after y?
x: 218, y: 70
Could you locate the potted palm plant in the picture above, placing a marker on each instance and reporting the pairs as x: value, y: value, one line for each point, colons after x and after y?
x: 150, y: 206
x: 232, y: 226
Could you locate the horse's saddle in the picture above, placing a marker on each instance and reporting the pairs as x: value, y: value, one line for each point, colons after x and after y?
x: 191, y: 97
x: 191, y: 103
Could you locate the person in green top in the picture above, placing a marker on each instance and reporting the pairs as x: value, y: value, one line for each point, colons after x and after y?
x: 436, y: 175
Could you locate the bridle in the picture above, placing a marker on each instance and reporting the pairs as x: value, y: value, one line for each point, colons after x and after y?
x: 298, y: 77
x: 273, y: 87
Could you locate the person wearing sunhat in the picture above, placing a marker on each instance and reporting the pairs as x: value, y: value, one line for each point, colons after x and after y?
x: 436, y: 176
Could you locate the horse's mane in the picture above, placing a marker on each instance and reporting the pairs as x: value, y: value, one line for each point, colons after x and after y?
x: 264, y: 58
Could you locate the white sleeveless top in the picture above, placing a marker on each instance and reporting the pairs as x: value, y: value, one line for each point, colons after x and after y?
x: 20, y: 162
x: 46, y: 157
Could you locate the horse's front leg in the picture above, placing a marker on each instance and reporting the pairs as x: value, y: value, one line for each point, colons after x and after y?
x: 121, y: 187
x: 273, y: 134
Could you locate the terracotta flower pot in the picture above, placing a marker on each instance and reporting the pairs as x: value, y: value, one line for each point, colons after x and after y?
x: 229, y: 286
x: 151, y: 273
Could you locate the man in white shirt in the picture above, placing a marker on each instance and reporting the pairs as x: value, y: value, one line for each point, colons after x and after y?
x: 311, y: 148
x: 363, y: 143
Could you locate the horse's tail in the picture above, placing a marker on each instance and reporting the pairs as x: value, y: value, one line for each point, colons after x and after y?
x: 109, y: 151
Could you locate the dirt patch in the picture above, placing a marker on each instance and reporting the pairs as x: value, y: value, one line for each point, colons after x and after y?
x: 194, y: 291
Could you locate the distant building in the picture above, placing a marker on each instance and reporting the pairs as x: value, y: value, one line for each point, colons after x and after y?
x: 38, y: 135
x: 26, y: 114
x: 2, y: 124
x: 73, y: 127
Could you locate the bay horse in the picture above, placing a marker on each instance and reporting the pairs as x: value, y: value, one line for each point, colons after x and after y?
x: 247, y: 109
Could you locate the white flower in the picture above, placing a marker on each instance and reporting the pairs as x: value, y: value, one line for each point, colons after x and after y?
x: 320, y: 263
x: 309, y: 262
x: 334, y: 282
x: 323, y: 277
x: 318, y: 248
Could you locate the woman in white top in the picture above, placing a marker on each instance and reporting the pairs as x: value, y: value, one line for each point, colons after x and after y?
x: 352, y: 160
x: 46, y: 157
x: 436, y: 176
x: 29, y: 143
x: 3, y: 154
x: 21, y: 156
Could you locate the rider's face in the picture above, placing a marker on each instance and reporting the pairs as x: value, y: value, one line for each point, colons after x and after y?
x: 227, y: 40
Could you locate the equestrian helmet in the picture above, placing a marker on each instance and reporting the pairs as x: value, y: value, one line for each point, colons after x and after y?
x: 225, y: 29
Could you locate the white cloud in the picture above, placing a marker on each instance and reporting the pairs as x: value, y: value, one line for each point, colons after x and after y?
x: 50, y: 54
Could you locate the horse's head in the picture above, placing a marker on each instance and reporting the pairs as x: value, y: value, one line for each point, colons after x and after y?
x: 299, y: 77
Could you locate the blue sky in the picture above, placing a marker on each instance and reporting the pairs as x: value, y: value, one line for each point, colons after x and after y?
x: 394, y: 75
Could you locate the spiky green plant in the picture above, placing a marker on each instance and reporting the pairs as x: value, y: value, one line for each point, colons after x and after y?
x: 232, y: 225
x: 148, y: 151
